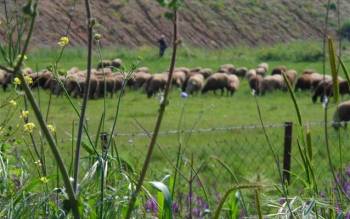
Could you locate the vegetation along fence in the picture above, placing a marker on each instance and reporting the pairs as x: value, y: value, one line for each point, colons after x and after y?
x: 246, y: 151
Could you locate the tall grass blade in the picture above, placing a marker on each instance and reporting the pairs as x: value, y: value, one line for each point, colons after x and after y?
x: 168, y: 203
x: 228, y: 192
x: 334, y: 70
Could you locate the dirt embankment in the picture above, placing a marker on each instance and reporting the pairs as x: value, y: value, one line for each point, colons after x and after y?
x: 209, y: 23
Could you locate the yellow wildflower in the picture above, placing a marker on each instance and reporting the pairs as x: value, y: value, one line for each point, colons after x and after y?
x: 16, y: 81
x: 29, y: 80
x: 44, y: 180
x: 51, y: 128
x: 38, y: 163
x: 63, y: 41
x: 97, y: 36
x: 24, y: 57
x: 29, y: 127
x: 13, y: 103
x: 24, y: 114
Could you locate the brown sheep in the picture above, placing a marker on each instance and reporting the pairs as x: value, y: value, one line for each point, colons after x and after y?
x: 308, y: 71
x: 206, y: 72
x: 227, y: 68
x: 264, y: 66
x: 142, y: 69
x: 255, y: 83
x: 116, y: 63
x: 232, y: 84
x: 194, y: 84
x: 291, y: 76
x: 322, y: 90
x: 309, y: 81
x: 303, y: 82
x: 155, y: 84
x: 5, y: 79
x: 110, y: 84
x: 179, y: 78
x: 271, y: 83
x: 325, y: 89
x: 342, y: 114
x: 196, y: 69
x: 261, y: 71
x: 184, y: 69
x: 73, y: 82
x: 279, y: 70
x: 104, y: 64
x: 241, y: 72
x: 217, y: 81
x: 139, y: 79
x: 250, y: 73
x: 316, y: 78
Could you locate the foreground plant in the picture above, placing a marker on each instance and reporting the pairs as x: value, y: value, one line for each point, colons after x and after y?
x: 173, y: 6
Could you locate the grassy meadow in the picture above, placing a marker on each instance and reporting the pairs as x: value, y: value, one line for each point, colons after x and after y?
x: 245, y: 151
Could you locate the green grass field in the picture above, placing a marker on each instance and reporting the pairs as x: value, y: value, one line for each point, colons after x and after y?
x: 244, y: 150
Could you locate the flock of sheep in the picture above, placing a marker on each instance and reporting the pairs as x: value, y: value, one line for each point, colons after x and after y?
x: 192, y: 81
x: 196, y: 80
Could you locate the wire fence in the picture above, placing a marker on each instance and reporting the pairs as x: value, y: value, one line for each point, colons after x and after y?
x: 247, y: 151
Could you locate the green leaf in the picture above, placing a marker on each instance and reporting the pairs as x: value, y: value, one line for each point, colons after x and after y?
x: 88, y: 147
x: 334, y: 70
x: 167, y: 210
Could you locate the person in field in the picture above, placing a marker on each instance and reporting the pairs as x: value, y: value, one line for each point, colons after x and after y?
x: 162, y: 45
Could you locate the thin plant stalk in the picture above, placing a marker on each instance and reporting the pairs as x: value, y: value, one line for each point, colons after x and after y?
x: 162, y: 107
x: 85, y: 98
x: 40, y: 118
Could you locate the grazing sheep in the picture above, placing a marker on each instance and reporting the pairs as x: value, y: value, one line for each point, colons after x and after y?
x: 179, y: 78
x: 344, y: 87
x: 194, y: 84
x: 110, y: 84
x: 279, y: 70
x: 155, y: 84
x: 255, y: 83
x: 241, y: 72
x: 291, y: 76
x: 303, y: 82
x: 271, y: 83
x: 142, y: 69
x: 139, y: 79
x: 309, y: 81
x: 227, y: 68
x: 206, y: 72
x: 264, y: 65
x: 325, y: 89
x: 184, y: 69
x: 250, y: 73
x: 196, y: 69
x: 73, y: 82
x: 316, y: 78
x: 261, y: 71
x: 116, y: 63
x: 232, y: 84
x: 322, y: 90
x: 217, y: 81
x: 5, y: 79
x: 104, y: 64
x: 308, y: 71
x: 342, y: 114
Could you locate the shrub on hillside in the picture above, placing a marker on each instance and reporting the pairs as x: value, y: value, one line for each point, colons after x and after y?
x: 295, y: 52
x: 344, y: 30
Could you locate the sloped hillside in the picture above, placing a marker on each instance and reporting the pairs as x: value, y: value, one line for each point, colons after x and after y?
x: 207, y: 23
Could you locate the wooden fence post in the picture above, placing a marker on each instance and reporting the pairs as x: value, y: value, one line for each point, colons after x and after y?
x: 288, y: 133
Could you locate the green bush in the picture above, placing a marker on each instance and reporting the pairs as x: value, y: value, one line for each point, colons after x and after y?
x: 294, y: 52
x: 344, y: 30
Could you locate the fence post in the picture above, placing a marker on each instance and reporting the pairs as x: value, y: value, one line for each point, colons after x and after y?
x: 288, y: 128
